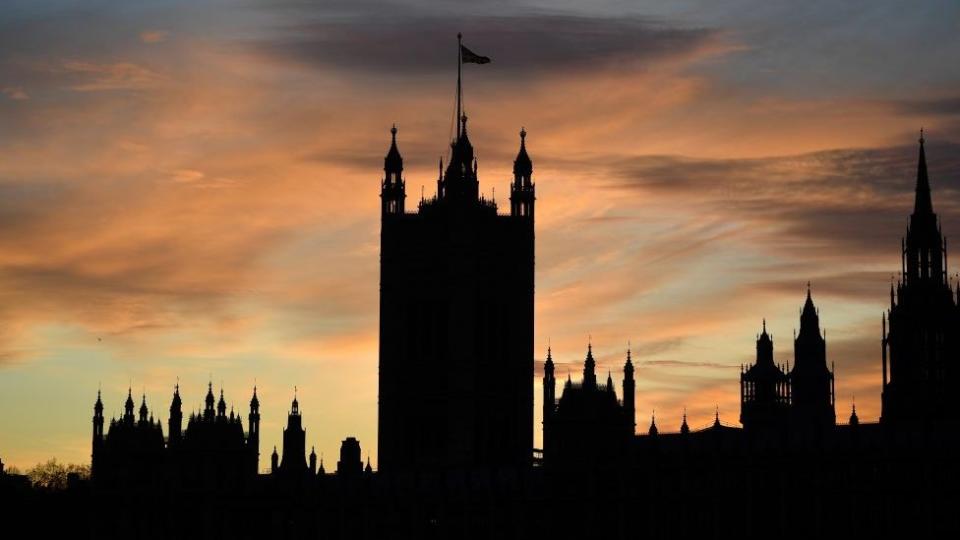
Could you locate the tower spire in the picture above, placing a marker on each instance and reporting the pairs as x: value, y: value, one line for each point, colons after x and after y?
x: 923, y: 203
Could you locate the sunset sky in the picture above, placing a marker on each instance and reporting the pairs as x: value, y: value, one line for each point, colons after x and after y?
x: 190, y: 189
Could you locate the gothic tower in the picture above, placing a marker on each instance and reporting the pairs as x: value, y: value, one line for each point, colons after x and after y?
x: 522, y: 193
x: 629, y: 394
x: 811, y: 381
x: 175, y: 423
x: 921, y: 346
x: 253, y: 437
x: 764, y: 389
x: 456, y: 319
x: 97, y: 436
x: 549, y: 395
x: 392, y: 188
x: 294, y: 459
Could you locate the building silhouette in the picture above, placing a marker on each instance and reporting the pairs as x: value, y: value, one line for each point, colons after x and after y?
x: 776, y: 397
x: 921, y: 347
x: 456, y: 318
x: 764, y: 389
x: 588, y: 426
x: 456, y: 456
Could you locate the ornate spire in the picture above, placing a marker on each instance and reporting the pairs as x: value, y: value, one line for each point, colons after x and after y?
x: 143, y: 409
x: 589, y: 367
x: 295, y: 406
x: 209, y: 400
x: 716, y: 416
x: 128, y: 405
x: 393, y: 162
x: 98, y: 406
x: 653, y: 424
x: 684, y: 428
x: 221, y: 405
x: 809, y: 318
x: 522, y: 165
x: 254, y: 402
x: 923, y: 204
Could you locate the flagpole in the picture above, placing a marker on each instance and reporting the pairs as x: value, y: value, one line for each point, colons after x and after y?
x: 459, y: 68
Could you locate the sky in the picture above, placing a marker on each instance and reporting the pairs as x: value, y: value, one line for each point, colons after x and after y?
x: 189, y: 192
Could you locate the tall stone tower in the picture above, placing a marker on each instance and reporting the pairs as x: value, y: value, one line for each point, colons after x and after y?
x: 456, y: 319
x: 921, y: 351
x: 811, y: 380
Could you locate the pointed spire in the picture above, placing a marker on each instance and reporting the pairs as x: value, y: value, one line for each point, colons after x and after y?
x: 684, y: 428
x: 716, y: 416
x: 143, y: 408
x: 809, y: 317
x: 222, y: 405
x: 522, y: 165
x: 393, y: 162
x: 923, y: 204
x: 653, y: 424
x: 854, y: 419
x: 589, y: 367
x: 254, y: 402
x: 128, y: 405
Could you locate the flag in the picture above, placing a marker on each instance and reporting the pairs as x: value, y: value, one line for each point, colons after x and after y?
x: 469, y: 57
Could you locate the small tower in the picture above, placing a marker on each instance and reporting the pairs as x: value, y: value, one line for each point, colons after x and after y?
x: 629, y: 393
x: 221, y: 407
x: 128, y: 408
x: 522, y: 188
x: 274, y: 462
x: 764, y: 389
x: 589, y: 368
x: 175, y: 422
x: 294, y: 441
x: 253, y: 438
x: 208, y: 410
x: 313, y: 461
x: 350, y: 464
x: 549, y: 394
x: 811, y: 381
x: 653, y: 431
x: 684, y: 428
x: 854, y: 419
x: 393, y: 187
x: 97, y: 435
x: 144, y: 411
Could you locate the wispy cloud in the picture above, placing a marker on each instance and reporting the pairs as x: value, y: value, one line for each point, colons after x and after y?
x: 151, y: 37
x: 15, y: 93
x: 96, y: 77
